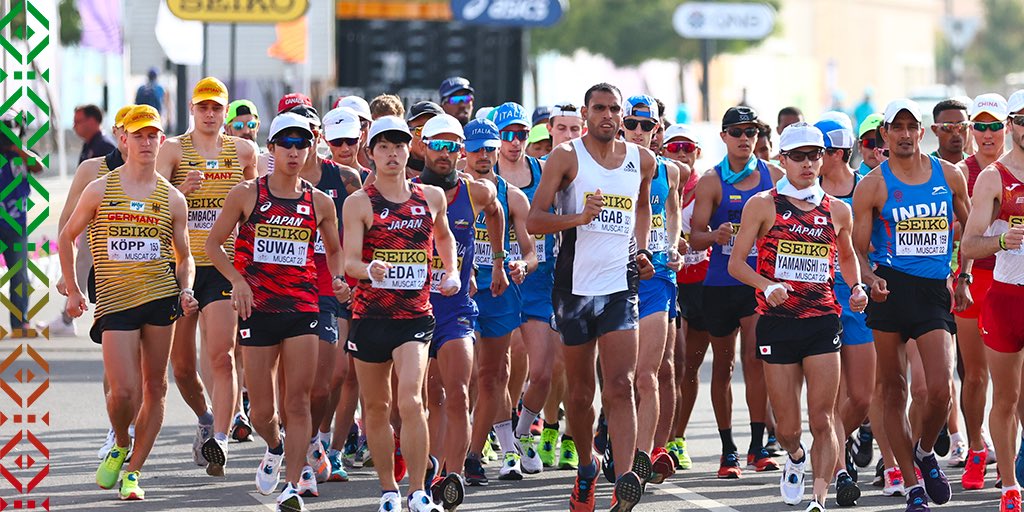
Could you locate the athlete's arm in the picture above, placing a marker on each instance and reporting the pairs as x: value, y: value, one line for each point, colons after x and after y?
x: 85, y: 211
x: 842, y: 220
x: 262, y: 164
x: 776, y: 172
x: 327, y: 224
x: 672, y: 213
x: 233, y: 211
x: 988, y: 191
x: 185, y: 267
x: 357, y: 215
x: 561, y: 164
x: 519, y: 210
x: 708, y: 193
x: 642, y: 226
x: 246, y: 157
x: 868, y: 199
x: 168, y: 158
x: 485, y: 194
x: 759, y: 214
x: 86, y: 173
x: 444, y: 241
x: 350, y: 178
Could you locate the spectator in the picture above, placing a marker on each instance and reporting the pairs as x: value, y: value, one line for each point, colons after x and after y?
x: 88, y: 122
x: 18, y: 163
x: 153, y: 94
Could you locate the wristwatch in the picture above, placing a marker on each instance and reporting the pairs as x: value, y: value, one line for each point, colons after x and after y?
x: 500, y: 255
x: 966, y: 277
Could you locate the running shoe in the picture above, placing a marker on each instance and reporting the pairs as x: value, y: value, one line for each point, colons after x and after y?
x: 865, y: 441
x: 107, y: 445
x: 894, y: 483
x: 390, y: 502
x: 348, y: 452
x: 582, y: 498
x: 449, y: 492
x: 942, y: 442
x: 317, y: 459
x: 683, y: 455
x: 851, y: 466
x: 761, y: 461
x: 307, y: 483
x: 601, y: 436
x: 642, y: 466
x: 935, y: 481
x: 475, y: 474
x: 662, y: 467
x: 974, y: 472
x: 110, y: 468
x: 432, y: 471
x: 729, y: 466
x: 530, y: 459
x: 957, y: 455
x: 847, y: 492
x: 203, y: 433
x: 215, y: 452
x: 494, y: 445
x: 568, y: 457
x: 58, y: 329
x: 773, y: 446
x: 879, y: 479
x: 488, y: 454
x: 991, y: 457
x: 548, y: 448
x: 241, y: 429
x: 245, y: 401
x: 420, y: 502
x: 338, y: 473
x: 1018, y: 467
x: 511, y: 468
x: 629, y: 489
x: 130, y: 490
x: 917, y: 500
x: 537, y: 428
x: 814, y: 506
x: 400, y: 468
x: 268, y: 474
x: 290, y: 501
x: 1010, y: 502
x: 791, y: 483
x: 608, y: 463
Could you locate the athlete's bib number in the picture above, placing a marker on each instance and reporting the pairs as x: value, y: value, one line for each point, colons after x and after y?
x: 408, y: 269
x: 281, y: 245
x: 133, y: 249
x: 318, y: 245
x: 202, y: 220
x: 658, y: 237
x: 616, y: 218
x: 539, y: 245
x: 922, y: 236
x: 727, y: 248
x: 482, y: 255
x: 437, y: 273
x: 1014, y: 221
x: 803, y: 261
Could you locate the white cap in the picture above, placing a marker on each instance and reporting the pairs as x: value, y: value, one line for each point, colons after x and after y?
x: 483, y: 112
x: 839, y: 117
x: 894, y: 107
x: 990, y: 103
x: 357, y: 104
x: 341, y: 123
x: 442, y: 123
x: 1016, y: 102
x: 287, y: 121
x: 798, y: 135
x: 681, y: 130
x: 388, y: 124
x: 565, y: 108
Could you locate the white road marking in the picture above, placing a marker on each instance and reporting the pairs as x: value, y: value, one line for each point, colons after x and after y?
x: 693, y: 498
x: 267, y: 501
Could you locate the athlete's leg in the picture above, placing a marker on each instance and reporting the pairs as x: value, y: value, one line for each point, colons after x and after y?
x: 722, y: 365
x: 858, y: 373
x: 183, y: 363
x: 822, y: 374
x: 376, y: 418
x: 341, y: 374
x: 436, y: 418
x: 666, y: 389
x: 918, y: 389
x: 520, y: 367
x: 493, y: 403
x: 319, y: 406
x: 218, y: 323
x: 753, y: 380
x: 348, y: 401
x: 974, y: 383
x: 410, y: 364
x: 455, y: 360
x: 891, y: 372
x: 541, y: 345
x: 651, y: 353
x: 261, y: 365
x: 691, y: 347
x: 156, y: 349
x: 556, y: 393
x: 122, y: 361
x: 1006, y: 371
x: 618, y: 370
x: 936, y: 349
x: 784, y: 383
x: 581, y: 364
x: 297, y: 355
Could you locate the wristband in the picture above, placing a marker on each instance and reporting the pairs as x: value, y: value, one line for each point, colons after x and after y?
x: 771, y: 289
x: 645, y: 252
x: 1002, y: 241
x: 370, y: 265
x: 450, y: 281
x: 187, y: 291
x: 866, y: 288
x: 339, y: 276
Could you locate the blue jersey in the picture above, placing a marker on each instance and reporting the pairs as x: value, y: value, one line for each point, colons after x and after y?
x: 545, y: 245
x: 914, y: 231
x: 483, y: 257
x: 461, y: 223
x: 730, y: 209
x: 658, y: 238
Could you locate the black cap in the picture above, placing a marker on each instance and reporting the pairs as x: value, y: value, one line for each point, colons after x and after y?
x: 541, y: 114
x: 454, y: 84
x: 738, y: 115
x: 307, y: 112
x: 424, y: 107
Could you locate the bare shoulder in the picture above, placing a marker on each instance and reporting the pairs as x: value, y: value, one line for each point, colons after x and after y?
x: 89, y: 169
x: 245, y: 147
x: 433, y: 194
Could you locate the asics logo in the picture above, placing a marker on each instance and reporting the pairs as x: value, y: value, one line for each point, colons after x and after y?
x: 312, y: 324
x: 787, y: 215
x: 419, y: 335
x: 265, y: 206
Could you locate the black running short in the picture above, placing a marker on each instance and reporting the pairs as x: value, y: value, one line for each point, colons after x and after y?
x: 724, y: 306
x: 269, y: 329
x: 915, y: 305
x: 582, y: 319
x: 210, y: 286
x: 691, y: 305
x: 159, y: 312
x: 372, y: 340
x: 783, y: 340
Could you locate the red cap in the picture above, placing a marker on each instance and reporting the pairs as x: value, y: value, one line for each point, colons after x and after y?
x: 293, y: 99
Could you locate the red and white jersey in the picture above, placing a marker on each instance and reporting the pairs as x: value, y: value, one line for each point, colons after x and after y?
x: 1009, y: 264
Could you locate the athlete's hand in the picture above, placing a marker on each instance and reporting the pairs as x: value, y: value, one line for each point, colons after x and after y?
x: 683, y: 246
x: 76, y: 304
x: 193, y: 181
x: 472, y: 285
x: 451, y: 285
x: 592, y: 207
x: 858, y: 299
x: 675, y: 260
x: 518, y: 269
x: 879, y: 290
x: 189, y: 304
x: 1014, y: 238
x: 779, y: 294
x: 499, y: 280
x: 241, y: 299
x: 723, y: 233
x: 341, y: 290
x: 377, y: 270
x: 644, y: 266
x: 62, y: 287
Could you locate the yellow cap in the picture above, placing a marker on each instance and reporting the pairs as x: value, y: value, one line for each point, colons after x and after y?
x: 119, y: 118
x: 210, y: 88
x: 142, y: 116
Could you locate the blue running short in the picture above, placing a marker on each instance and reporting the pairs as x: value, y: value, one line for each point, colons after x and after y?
x: 536, y: 290
x: 453, y: 323
x: 656, y: 296
x: 498, y: 315
x: 855, y: 328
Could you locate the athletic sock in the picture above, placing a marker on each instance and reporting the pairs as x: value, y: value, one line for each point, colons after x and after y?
x: 206, y: 419
x: 728, y: 446
x: 220, y: 436
x: 325, y: 437
x: 921, y: 453
x: 526, y: 419
x: 756, y: 437
x: 1008, y: 488
x: 955, y: 438
x: 566, y: 437
x: 506, y: 439
x: 840, y: 472
x: 803, y: 456
x: 588, y: 471
x: 553, y: 426
x: 279, y: 450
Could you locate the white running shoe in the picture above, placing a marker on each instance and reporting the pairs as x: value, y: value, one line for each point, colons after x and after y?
x: 307, y: 483
x: 420, y: 502
x: 530, y: 460
x: 511, y: 468
x: 215, y: 452
x: 957, y: 455
x: 991, y: 458
x: 390, y: 502
x: 791, y: 484
x: 289, y: 500
x: 58, y: 328
x: 107, y: 445
x: 268, y: 474
x: 815, y: 507
x: 317, y: 459
x: 203, y: 433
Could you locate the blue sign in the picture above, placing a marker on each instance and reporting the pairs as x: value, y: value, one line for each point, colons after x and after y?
x: 509, y: 13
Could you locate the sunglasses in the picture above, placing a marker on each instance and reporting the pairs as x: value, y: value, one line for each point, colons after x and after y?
x: 994, y: 126
x: 459, y: 98
x: 676, y: 147
x: 885, y: 152
x: 952, y: 127
x: 644, y: 124
x: 737, y: 132
x: 293, y: 142
x: 511, y: 135
x: 485, y: 149
x: 444, y: 145
x: 238, y: 125
x: 1017, y: 120
x: 799, y: 156
x: 869, y: 143
x: 346, y: 141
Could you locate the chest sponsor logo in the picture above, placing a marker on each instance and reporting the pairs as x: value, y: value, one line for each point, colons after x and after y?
x: 211, y: 164
x: 939, y: 190
x: 137, y: 206
x: 630, y: 167
x: 133, y: 243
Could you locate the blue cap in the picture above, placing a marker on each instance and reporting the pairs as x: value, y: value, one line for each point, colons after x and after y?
x: 836, y: 135
x: 481, y: 133
x: 642, y: 101
x: 510, y: 113
x: 452, y: 85
x: 541, y: 114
